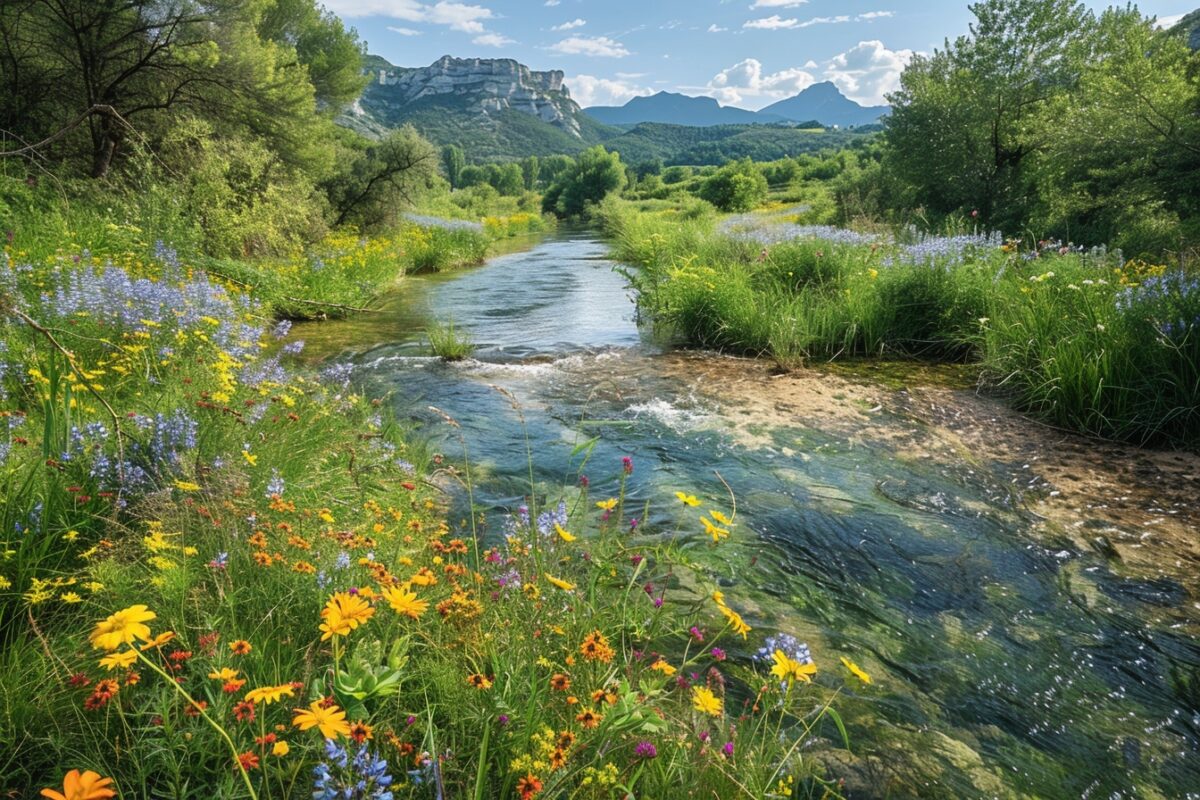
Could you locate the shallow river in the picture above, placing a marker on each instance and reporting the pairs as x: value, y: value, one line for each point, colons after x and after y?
x: 1029, y: 635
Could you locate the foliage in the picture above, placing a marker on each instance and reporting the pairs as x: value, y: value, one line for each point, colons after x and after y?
x: 716, y: 144
x: 447, y: 343
x: 1082, y: 339
x: 737, y: 186
x: 595, y: 175
x: 377, y: 179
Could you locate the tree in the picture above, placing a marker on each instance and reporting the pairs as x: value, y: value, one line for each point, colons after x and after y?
x: 737, y: 186
x: 331, y: 53
x: 530, y: 169
x: 453, y: 162
x: 507, y: 179
x: 381, y: 178
x: 962, y: 130
x: 595, y: 175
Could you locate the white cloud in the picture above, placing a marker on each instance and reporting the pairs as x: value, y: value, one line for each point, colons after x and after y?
x: 867, y: 72
x: 588, y: 90
x: 459, y: 16
x: 551, y: 3
x: 492, y: 40
x: 771, y: 23
x: 403, y: 31
x: 456, y: 16
x: 566, y: 26
x: 590, y: 46
x: 746, y: 80
x: 715, y: 28
x: 870, y: 15
x: 778, y: 3
x: 410, y: 10
x: 1162, y: 23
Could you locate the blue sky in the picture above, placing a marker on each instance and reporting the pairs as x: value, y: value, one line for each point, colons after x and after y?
x: 743, y: 52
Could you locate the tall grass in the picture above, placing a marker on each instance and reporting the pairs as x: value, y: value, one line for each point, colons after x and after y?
x: 1082, y: 340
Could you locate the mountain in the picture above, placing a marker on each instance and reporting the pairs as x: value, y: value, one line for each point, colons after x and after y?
x: 824, y: 102
x: 677, y: 109
x: 492, y: 107
x: 1189, y: 27
x: 715, y: 144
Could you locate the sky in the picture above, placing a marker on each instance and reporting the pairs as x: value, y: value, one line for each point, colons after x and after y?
x: 747, y: 53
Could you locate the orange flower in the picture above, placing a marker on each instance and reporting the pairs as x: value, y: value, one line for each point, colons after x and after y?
x: 560, y: 682
x: 361, y: 731
x: 529, y: 786
x: 595, y: 647
x: 479, y: 681
x: 247, y: 761
x: 588, y: 718
x: 240, y: 648
x: 87, y: 785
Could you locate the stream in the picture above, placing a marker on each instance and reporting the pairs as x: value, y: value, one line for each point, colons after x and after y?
x: 1025, y: 602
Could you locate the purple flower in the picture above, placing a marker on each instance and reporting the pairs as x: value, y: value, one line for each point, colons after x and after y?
x: 696, y: 633
x: 502, y: 719
x: 627, y: 465
x: 645, y: 750
x: 728, y: 749
x: 718, y: 654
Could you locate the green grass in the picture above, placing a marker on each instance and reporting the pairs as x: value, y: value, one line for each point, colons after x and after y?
x: 448, y: 343
x: 1083, y: 341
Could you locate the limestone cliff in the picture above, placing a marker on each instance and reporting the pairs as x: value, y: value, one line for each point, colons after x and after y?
x: 482, y: 86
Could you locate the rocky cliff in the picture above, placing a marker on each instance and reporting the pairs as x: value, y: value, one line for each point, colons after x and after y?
x: 482, y: 86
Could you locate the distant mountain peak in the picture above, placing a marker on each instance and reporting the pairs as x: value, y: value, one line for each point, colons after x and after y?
x: 825, y: 102
x: 673, y: 108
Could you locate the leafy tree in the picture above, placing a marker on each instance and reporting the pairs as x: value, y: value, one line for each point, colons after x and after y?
x: 453, y: 162
x: 332, y: 53
x: 963, y: 124
x: 472, y: 175
x: 737, y: 186
x: 531, y: 167
x: 508, y: 179
x: 381, y: 178
x: 595, y: 175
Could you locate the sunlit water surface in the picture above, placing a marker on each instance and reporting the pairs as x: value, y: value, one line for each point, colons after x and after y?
x: 1004, y: 664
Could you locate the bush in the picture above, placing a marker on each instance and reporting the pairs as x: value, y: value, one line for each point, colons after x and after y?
x: 738, y: 186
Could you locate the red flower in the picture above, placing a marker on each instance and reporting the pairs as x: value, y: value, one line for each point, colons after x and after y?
x: 248, y: 760
x: 244, y: 711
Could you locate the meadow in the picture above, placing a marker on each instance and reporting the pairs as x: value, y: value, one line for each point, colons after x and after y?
x: 225, y: 574
x: 1081, y: 338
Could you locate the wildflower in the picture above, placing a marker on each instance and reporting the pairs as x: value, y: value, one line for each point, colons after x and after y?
x: 269, y: 694
x: 663, y: 667
x: 856, y: 670
x: 688, y: 499
x: 247, y: 761
x: 728, y: 749
x: 122, y: 628
x: 243, y: 711
x: 788, y: 669
x: 719, y: 517
x: 558, y: 759
x: 86, y: 785
x: 561, y: 584
x: 645, y: 750
x: 479, y: 681
x: 627, y: 465
x: 405, y: 602
x: 595, y: 647
x: 563, y: 534
x: 330, y: 720
x: 343, y: 613
x: 560, y: 682
x: 588, y: 718
x: 120, y: 660
x: 718, y: 654
x: 280, y: 748
x: 240, y: 648
x: 715, y: 532
x: 529, y: 786
x: 361, y: 731
x: 607, y: 505
x: 187, y: 486
x: 233, y: 687
x: 224, y: 674
x: 704, y: 701
x: 70, y: 598
x: 250, y: 458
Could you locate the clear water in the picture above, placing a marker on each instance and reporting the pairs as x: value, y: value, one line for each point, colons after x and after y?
x: 1006, y: 663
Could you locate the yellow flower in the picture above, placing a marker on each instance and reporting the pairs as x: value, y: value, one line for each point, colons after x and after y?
x: 566, y: 587
x: 563, y: 534
x: 280, y: 748
x: 716, y: 533
x: 224, y: 674
x: 269, y: 694
x: 607, y: 505
x: 789, y: 669
x: 331, y: 720
x: 158, y: 641
x: 187, y: 486
x: 688, y: 499
x: 87, y: 785
x: 70, y: 597
x: 251, y: 459
x: 663, y: 667
x: 122, y: 660
x: 122, y: 628
x: 735, y: 619
x: 404, y: 601
x: 856, y: 670
x: 719, y: 517
x: 704, y: 701
x: 343, y: 613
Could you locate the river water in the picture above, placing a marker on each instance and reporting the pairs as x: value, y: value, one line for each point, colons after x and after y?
x: 1025, y: 639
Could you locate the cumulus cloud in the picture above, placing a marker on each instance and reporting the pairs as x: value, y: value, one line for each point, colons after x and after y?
x: 492, y: 40
x: 589, y: 90
x: 590, y: 46
x: 771, y: 23
x: 867, y: 72
x: 457, y: 16
x: 566, y: 26
x: 746, y: 80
